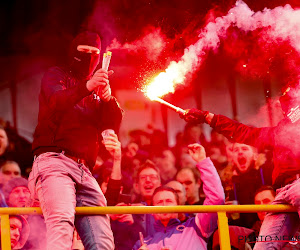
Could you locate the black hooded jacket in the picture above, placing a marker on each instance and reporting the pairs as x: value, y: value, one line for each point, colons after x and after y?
x: 71, y: 118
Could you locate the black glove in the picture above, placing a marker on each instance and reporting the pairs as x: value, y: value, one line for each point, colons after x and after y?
x: 194, y: 115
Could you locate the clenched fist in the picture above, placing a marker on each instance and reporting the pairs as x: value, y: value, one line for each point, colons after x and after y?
x: 197, y: 152
x: 194, y: 115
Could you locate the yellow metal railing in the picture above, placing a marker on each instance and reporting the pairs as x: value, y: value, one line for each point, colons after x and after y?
x: 220, y: 209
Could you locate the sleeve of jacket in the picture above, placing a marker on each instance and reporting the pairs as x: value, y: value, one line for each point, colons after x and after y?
x: 213, y: 190
x: 55, y: 92
x: 111, y: 115
x: 238, y: 132
x: 113, y: 191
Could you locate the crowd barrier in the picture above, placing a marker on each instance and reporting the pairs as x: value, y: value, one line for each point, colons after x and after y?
x: 220, y: 209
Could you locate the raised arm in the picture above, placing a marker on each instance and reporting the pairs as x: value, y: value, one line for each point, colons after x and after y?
x: 113, y: 146
x: 212, y: 187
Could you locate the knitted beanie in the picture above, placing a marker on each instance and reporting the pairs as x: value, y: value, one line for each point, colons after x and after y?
x: 13, y: 183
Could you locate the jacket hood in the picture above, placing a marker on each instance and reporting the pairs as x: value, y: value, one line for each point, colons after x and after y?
x: 24, y: 233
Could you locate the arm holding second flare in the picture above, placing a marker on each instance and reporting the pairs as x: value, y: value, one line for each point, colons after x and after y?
x: 231, y: 129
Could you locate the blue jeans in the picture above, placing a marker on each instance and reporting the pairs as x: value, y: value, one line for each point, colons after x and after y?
x: 281, y: 226
x: 61, y: 184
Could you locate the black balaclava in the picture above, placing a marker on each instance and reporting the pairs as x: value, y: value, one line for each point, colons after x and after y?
x: 83, y: 64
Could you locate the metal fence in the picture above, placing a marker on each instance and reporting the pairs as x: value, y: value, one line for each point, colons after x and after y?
x: 221, y: 210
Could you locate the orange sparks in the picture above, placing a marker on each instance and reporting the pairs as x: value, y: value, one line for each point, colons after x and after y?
x: 163, y: 84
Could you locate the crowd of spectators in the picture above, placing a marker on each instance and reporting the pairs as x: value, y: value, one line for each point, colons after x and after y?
x: 148, y: 166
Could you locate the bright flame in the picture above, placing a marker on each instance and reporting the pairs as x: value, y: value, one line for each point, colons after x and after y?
x: 165, y: 82
x: 280, y: 24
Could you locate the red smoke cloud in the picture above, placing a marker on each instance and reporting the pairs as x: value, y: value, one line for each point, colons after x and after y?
x: 257, y: 37
x: 271, y: 33
x: 152, y: 44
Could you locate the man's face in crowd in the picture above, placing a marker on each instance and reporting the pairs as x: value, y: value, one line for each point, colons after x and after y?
x: 167, y: 161
x: 19, y: 197
x: 243, y: 156
x: 187, y: 179
x: 148, y: 181
x: 3, y: 141
x: 179, y: 189
x: 15, y: 231
x: 165, y: 198
x: 10, y: 171
x: 265, y: 197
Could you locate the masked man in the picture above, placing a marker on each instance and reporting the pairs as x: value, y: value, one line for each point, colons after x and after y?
x: 66, y: 139
x: 283, y: 139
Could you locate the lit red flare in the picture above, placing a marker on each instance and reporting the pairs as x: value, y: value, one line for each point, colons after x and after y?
x: 162, y: 84
x: 171, y: 106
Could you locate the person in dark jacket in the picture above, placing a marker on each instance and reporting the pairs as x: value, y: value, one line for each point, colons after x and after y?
x: 126, y: 227
x: 124, y: 230
x: 190, y: 179
x: 111, y: 186
x: 283, y: 139
x: 75, y: 106
x: 246, y: 180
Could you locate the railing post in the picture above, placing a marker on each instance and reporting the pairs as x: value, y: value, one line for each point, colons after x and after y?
x: 223, y: 231
x: 5, y: 232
